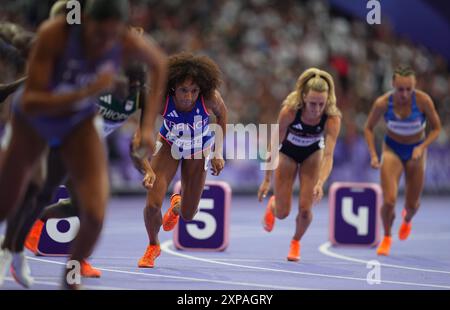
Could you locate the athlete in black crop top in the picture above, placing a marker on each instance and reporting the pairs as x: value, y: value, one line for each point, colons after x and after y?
x: 302, y: 140
x: 309, y: 124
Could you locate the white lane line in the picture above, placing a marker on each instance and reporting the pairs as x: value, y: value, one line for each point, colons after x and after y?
x: 165, y: 246
x: 248, y: 284
x: 325, y: 249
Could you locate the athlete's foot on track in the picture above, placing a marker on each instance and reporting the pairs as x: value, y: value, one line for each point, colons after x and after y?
x: 32, y: 240
x: 405, y: 228
x: 170, y: 218
x: 294, y: 251
x: 269, y: 217
x: 148, y: 260
x: 385, y: 246
x: 88, y: 271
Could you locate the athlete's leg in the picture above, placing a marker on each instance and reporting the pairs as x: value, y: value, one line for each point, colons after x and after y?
x: 284, y: 178
x: 165, y: 167
x: 21, y: 158
x: 391, y: 171
x: 414, y: 182
x: 83, y: 153
x: 193, y: 175
x: 56, y: 174
x: 279, y: 205
x: 308, y: 174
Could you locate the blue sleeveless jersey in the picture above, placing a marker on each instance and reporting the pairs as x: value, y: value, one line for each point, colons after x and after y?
x: 71, y: 72
x: 189, y: 131
x: 411, y: 125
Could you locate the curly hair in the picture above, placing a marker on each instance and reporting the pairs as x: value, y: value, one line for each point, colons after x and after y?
x: 201, y: 69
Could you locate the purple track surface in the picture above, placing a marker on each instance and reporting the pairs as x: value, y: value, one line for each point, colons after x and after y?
x: 256, y: 259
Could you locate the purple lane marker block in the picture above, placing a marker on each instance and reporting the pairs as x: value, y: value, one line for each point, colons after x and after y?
x: 354, y: 213
x: 208, y: 231
x: 58, y: 234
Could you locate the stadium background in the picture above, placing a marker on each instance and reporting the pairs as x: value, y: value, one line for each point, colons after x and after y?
x: 263, y: 45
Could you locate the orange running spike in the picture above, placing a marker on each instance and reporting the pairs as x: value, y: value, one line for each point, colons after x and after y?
x: 88, y: 271
x: 32, y: 240
x: 170, y: 219
x: 148, y: 260
x: 269, y: 217
x: 385, y: 246
x: 294, y: 251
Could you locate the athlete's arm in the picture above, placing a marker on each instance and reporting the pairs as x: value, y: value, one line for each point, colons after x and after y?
x: 217, y: 105
x: 285, y: 118
x: 430, y: 112
x: 147, y: 51
x: 37, y: 98
x: 378, y: 109
x: 332, y: 129
x: 141, y: 164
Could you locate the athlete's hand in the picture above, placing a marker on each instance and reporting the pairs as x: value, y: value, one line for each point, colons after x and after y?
x: 217, y: 165
x: 418, y: 152
x: 149, y: 179
x: 375, y: 163
x: 317, y: 193
x: 263, y: 190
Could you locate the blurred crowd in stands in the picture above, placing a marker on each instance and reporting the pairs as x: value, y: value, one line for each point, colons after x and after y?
x: 263, y: 45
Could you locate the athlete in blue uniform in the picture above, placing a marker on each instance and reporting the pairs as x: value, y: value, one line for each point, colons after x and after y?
x: 185, y: 138
x: 406, y: 111
x: 309, y: 124
x: 69, y: 67
x: 115, y: 110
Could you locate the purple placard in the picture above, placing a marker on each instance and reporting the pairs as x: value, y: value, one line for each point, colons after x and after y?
x: 354, y: 213
x: 57, y: 234
x: 209, y: 229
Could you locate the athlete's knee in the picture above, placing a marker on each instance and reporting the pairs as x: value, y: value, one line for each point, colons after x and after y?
x: 412, y: 206
x: 305, y: 213
x: 282, y: 208
x: 152, y: 206
x: 389, y: 202
x: 281, y: 212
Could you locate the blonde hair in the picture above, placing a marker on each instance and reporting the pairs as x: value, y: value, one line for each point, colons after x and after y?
x: 58, y: 8
x: 316, y: 80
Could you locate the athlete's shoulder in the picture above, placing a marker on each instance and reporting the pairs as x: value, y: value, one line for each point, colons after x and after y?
x: 55, y: 26
x: 422, y: 97
x: 382, y: 101
x: 287, y: 114
x: 52, y: 33
x: 424, y: 101
x: 333, y: 122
